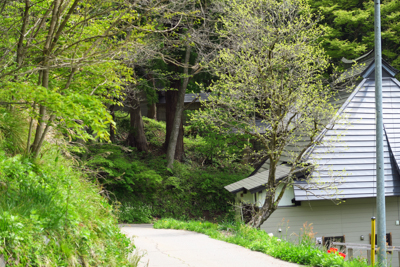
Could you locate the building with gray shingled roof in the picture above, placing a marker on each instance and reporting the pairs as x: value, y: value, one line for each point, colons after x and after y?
x: 192, y: 102
x: 348, y: 163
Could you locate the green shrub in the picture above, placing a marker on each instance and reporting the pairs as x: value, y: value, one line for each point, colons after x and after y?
x: 155, y: 131
x: 193, y: 189
x: 135, y: 213
x: 50, y: 215
x: 120, y: 173
x: 141, y: 180
x: 194, y: 192
x: 207, y: 145
x: 12, y: 131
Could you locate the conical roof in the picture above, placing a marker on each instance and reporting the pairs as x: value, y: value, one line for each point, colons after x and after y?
x: 345, y: 168
x: 344, y: 163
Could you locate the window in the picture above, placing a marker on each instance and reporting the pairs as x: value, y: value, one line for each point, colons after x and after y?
x: 388, y: 240
x: 327, y: 240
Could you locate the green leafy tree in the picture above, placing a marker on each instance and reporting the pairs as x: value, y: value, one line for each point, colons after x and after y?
x: 65, y: 66
x: 271, y: 75
x: 184, y: 51
x: 349, y: 27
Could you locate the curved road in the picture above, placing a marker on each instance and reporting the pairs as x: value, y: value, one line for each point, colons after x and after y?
x: 178, y: 248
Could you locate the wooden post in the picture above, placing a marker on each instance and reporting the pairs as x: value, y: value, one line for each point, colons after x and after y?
x: 399, y: 256
x: 369, y: 257
x: 350, y: 252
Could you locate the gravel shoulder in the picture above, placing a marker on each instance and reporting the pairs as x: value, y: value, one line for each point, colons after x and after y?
x: 178, y: 248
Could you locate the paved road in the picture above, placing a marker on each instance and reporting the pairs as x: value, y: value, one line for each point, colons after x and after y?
x: 178, y: 248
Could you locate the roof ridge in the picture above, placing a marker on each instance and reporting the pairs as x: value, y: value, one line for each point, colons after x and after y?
x: 258, y: 167
x: 350, y: 61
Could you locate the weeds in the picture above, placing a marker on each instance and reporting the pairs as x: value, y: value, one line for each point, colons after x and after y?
x: 50, y: 215
x: 146, y: 188
x: 12, y: 131
x: 135, y: 213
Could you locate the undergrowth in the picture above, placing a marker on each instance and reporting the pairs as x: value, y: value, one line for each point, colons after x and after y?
x: 304, y: 251
x: 51, y: 215
x: 145, y: 188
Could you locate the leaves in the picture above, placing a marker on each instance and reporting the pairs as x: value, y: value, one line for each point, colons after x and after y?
x: 270, y: 82
x: 350, y: 28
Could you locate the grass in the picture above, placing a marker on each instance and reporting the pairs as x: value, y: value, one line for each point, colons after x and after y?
x: 51, y: 215
x: 302, y: 252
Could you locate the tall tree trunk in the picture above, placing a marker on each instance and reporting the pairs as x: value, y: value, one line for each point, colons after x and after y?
x: 41, y: 125
x: 136, y: 137
x: 20, y: 47
x: 152, y: 111
x: 270, y: 203
x: 39, y: 129
x: 265, y: 211
x: 152, y: 108
x: 173, y: 151
x: 171, y: 99
x: 42, y: 128
x: 112, y: 127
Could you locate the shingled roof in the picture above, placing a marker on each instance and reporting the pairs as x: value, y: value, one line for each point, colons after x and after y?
x: 350, y: 163
x: 364, y: 67
x: 256, y: 182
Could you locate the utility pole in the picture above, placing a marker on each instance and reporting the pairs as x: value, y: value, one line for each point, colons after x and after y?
x: 380, y: 175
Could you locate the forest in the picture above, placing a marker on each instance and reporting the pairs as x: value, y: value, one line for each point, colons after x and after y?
x: 131, y: 111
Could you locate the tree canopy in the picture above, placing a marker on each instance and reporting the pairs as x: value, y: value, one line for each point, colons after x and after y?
x: 349, y: 27
x: 270, y: 83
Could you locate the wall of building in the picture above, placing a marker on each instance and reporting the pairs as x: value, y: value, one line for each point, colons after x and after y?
x: 351, y: 218
x: 259, y: 197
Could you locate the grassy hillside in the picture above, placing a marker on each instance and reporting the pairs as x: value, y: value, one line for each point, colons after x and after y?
x: 50, y: 213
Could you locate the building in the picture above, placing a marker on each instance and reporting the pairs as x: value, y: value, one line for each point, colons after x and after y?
x: 192, y: 102
x: 348, y: 164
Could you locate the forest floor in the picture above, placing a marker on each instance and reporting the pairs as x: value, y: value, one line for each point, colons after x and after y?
x: 179, y: 248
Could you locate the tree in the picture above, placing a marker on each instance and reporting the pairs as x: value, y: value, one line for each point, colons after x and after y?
x: 349, y: 27
x: 134, y: 95
x: 185, y: 50
x: 272, y: 73
x: 65, y: 68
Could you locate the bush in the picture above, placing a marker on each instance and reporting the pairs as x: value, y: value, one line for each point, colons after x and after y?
x: 50, y: 215
x: 208, y: 145
x: 135, y: 213
x: 155, y: 131
x: 141, y: 180
x: 12, y: 131
x: 120, y: 173
x: 193, y: 192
